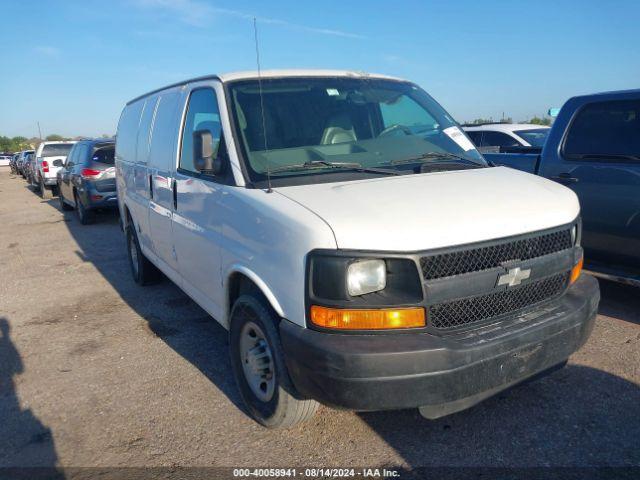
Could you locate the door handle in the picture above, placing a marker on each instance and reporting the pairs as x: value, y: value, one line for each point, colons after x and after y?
x: 175, y: 194
x: 151, y: 185
x: 565, y: 178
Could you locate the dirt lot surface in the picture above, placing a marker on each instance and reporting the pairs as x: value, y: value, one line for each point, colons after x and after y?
x: 97, y: 371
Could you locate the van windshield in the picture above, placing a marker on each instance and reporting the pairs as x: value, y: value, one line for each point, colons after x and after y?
x: 329, y: 122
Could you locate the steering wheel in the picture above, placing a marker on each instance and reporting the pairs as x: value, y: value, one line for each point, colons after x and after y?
x: 395, y: 127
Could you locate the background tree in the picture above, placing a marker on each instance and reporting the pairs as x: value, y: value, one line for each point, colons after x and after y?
x: 15, y: 144
x: 479, y: 121
x: 54, y: 137
x: 540, y: 121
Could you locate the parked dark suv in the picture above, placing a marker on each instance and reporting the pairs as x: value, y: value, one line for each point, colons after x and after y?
x: 87, y: 180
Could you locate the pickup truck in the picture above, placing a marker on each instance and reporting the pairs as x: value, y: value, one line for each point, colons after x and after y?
x: 49, y: 158
x: 594, y: 149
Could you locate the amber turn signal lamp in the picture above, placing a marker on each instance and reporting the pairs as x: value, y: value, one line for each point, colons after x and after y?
x: 575, y: 271
x: 378, y: 319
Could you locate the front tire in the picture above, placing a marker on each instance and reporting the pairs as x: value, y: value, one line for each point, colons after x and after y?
x: 259, y: 368
x: 143, y: 271
x: 64, y: 206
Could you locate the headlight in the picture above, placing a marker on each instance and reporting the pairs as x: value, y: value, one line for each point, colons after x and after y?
x: 342, y: 279
x: 366, y: 276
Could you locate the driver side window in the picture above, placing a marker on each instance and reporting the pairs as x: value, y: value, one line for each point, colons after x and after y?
x: 202, y: 114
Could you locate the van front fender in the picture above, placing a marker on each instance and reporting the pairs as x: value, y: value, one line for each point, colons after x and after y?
x: 257, y: 281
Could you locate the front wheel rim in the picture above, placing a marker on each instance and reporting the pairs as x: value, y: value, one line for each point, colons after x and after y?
x: 257, y: 361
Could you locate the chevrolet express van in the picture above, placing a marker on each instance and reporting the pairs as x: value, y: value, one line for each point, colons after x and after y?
x: 353, y: 241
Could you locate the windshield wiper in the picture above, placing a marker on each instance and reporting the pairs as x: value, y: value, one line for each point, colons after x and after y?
x: 344, y: 165
x: 434, y: 156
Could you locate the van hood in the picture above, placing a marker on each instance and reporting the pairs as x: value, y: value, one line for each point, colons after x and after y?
x: 440, y: 209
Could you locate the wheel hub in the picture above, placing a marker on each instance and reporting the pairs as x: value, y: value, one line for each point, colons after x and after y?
x: 257, y: 361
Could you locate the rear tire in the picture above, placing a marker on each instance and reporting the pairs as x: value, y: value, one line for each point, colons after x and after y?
x: 259, y: 368
x: 85, y: 215
x: 45, y: 193
x: 143, y: 271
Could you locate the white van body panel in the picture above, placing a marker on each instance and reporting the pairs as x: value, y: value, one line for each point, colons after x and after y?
x: 267, y: 237
x: 433, y: 210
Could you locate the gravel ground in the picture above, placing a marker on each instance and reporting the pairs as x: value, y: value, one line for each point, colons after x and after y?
x: 97, y: 371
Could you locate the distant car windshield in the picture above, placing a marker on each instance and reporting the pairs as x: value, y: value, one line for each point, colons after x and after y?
x: 56, y: 149
x: 535, y: 136
x: 373, y: 123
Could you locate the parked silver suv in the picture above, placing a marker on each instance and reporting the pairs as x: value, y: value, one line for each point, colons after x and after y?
x: 87, y: 181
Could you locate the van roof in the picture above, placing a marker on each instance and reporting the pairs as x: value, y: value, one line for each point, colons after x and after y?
x: 253, y: 74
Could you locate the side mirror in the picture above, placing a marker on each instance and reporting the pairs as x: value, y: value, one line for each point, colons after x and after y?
x: 57, y: 163
x: 205, y: 153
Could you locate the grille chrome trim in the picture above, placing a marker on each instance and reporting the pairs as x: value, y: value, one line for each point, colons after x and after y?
x: 472, y: 310
x: 474, y: 259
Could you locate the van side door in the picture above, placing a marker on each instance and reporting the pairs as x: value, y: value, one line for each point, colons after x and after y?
x: 162, y: 166
x: 197, y: 218
x: 140, y: 191
x: 599, y: 159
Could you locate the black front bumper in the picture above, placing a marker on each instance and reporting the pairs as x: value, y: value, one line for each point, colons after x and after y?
x: 441, y: 374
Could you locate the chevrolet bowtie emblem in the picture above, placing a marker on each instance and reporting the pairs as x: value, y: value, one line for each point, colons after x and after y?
x: 514, y: 276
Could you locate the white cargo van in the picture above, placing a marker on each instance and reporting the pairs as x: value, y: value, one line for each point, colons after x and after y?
x: 352, y: 240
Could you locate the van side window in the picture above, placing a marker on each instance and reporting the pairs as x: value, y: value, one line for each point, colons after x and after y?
x: 144, y: 130
x: 605, y: 130
x: 128, y: 131
x: 162, y: 151
x: 202, y: 114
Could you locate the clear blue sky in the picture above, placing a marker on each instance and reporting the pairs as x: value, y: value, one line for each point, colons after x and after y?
x: 72, y: 65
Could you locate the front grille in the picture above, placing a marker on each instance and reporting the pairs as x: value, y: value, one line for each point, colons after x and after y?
x: 494, y: 255
x: 470, y: 310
